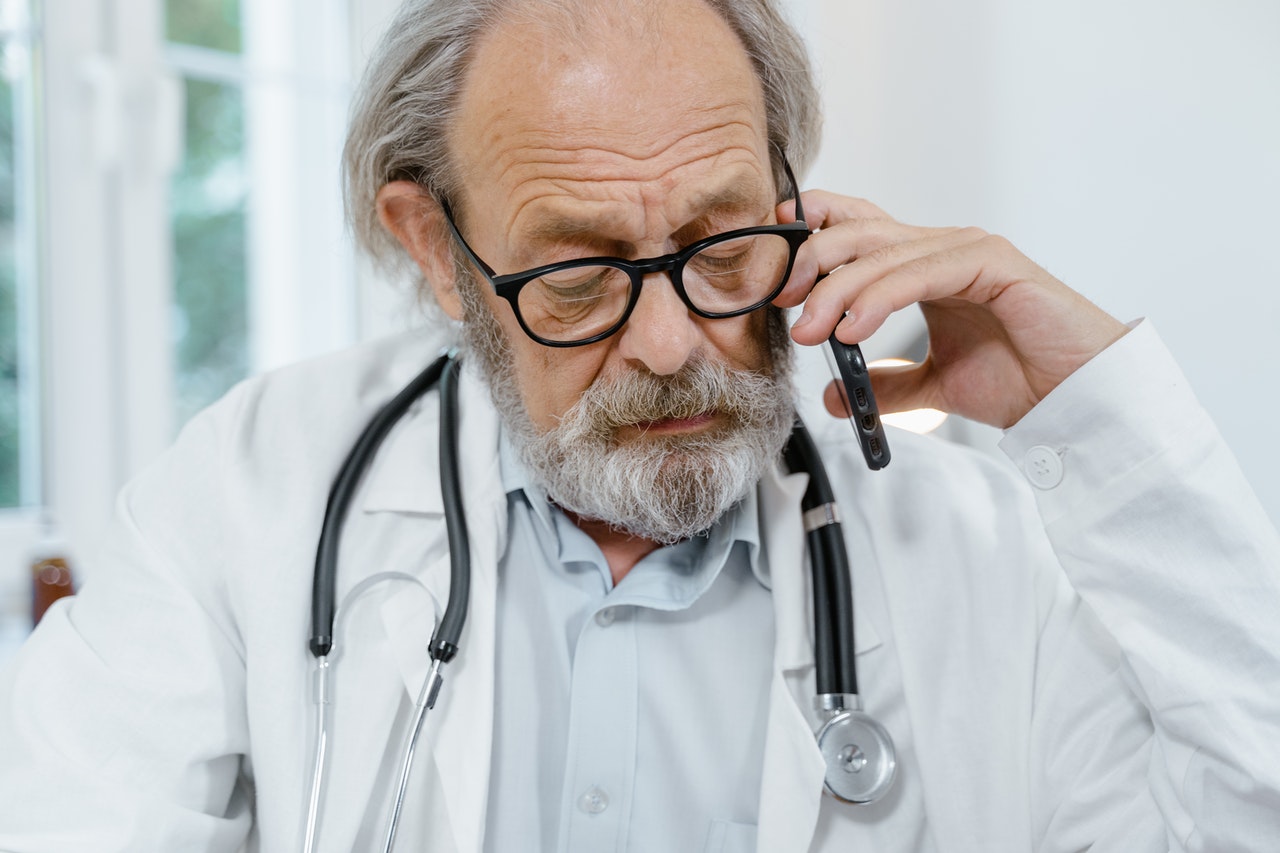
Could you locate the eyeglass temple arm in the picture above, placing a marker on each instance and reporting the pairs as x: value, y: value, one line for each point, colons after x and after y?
x: 462, y: 241
x: 795, y: 187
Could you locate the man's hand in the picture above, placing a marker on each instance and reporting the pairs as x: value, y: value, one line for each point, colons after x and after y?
x: 1002, y: 332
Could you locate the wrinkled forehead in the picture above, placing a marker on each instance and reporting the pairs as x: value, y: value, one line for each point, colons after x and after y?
x: 616, y: 91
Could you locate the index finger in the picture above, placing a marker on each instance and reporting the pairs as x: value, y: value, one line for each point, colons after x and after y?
x: 845, y: 242
x: 823, y: 209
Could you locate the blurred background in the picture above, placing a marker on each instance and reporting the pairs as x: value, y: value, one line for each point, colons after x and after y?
x: 171, y: 218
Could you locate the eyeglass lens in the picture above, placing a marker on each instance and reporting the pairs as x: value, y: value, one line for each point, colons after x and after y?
x: 727, y: 276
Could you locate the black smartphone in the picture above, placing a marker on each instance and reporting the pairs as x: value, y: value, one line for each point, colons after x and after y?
x: 850, y: 371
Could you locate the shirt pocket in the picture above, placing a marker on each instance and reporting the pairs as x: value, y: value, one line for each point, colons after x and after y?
x: 729, y: 837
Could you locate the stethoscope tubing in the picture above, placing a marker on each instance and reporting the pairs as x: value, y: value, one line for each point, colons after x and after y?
x: 834, y: 653
x: 835, y: 669
x: 323, y: 589
x: 444, y: 640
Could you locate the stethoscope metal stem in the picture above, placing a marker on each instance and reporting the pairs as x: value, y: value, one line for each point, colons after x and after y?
x: 322, y: 743
x: 426, y: 701
x: 859, y: 751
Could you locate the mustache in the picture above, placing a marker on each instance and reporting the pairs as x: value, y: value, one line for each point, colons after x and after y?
x: 702, y: 386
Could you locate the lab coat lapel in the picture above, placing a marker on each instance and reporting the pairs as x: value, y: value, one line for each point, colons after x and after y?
x: 458, y: 735
x: 945, y: 689
x: 381, y: 565
x: 461, y: 737
x: 793, y: 765
x: 368, y: 716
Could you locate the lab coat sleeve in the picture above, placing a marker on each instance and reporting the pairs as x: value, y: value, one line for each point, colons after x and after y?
x: 1177, y: 565
x: 122, y: 718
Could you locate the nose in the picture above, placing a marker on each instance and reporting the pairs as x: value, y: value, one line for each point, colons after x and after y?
x: 661, y: 333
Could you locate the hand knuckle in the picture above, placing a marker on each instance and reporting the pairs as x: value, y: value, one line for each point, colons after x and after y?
x: 997, y: 243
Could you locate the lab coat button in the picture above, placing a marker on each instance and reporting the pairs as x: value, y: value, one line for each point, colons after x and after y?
x: 594, y: 801
x: 605, y: 617
x: 1043, y: 467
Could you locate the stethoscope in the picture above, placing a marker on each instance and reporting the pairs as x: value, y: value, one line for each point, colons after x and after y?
x: 859, y: 753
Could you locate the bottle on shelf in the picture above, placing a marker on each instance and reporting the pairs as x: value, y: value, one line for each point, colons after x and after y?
x: 51, y: 576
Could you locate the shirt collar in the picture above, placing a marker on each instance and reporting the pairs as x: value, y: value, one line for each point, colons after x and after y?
x: 516, y: 481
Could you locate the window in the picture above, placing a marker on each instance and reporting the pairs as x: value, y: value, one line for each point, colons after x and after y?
x: 190, y: 232
x: 208, y: 204
x: 20, y: 398
x: 19, y: 315
x: 262, y: 268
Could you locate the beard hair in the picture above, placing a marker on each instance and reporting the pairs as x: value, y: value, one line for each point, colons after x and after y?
x: 665, y: 488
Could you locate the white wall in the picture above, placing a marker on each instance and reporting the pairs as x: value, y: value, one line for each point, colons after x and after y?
x: 1133, y: 149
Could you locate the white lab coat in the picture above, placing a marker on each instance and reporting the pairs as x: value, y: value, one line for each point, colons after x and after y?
x: 167, y: 707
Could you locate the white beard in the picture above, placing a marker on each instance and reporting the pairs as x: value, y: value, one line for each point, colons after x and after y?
x: 663, y: 488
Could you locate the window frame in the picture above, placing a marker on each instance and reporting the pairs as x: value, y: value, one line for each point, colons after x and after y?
x: 109, y: 103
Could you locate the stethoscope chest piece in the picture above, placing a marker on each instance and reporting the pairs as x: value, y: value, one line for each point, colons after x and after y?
x: 861, y: 761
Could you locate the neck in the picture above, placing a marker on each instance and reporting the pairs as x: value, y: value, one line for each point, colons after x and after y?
x: 621, y: 550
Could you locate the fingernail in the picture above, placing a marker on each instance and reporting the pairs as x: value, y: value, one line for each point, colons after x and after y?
x: 804, y: 320
x: 847, y: 323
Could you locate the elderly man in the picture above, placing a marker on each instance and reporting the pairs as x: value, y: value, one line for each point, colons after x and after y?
x: 1088, y: 660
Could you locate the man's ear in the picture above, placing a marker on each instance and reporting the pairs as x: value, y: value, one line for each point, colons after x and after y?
x: 417, y: 221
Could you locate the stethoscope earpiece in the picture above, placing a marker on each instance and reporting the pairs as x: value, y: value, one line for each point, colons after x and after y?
x: 859, y: 754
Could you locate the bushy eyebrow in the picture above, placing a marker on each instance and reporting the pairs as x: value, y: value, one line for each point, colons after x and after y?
x: 728, y: 198
x: 735, y: 195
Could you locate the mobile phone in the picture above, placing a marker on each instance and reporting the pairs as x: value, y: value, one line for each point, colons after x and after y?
x: 850, y: 370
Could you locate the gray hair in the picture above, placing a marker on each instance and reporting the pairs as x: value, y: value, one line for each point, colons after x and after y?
x: 410, y: 91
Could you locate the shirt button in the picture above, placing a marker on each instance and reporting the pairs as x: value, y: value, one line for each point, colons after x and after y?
x: 594, y: 801
x: 605, y: 617
x: 1043, y: 466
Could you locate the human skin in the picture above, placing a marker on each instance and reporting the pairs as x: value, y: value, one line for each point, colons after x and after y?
x: 635, y: 135
x: 1003, y: 332
x: 566, y: 153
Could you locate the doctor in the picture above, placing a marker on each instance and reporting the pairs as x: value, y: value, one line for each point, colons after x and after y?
x: 1083, y: 655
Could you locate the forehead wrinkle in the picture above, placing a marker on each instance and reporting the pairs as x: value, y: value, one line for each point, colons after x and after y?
x: 590, y: 137
x: 619, y: 180
x: 536, y: 118
x: 598, y: 150
x: 571, y: 129
x: 618, y: 229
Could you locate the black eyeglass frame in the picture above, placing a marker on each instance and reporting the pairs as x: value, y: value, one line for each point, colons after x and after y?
x: 509, y: 286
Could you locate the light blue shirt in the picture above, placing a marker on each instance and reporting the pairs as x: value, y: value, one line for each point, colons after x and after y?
x: 627, y: 718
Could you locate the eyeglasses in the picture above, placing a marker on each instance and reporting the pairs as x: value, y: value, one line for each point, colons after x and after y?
x: 585, y: 300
